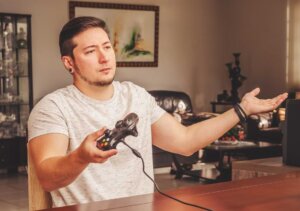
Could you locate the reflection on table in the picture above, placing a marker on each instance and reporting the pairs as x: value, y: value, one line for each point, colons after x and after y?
x: 240, y: 147
x: 279, y: 192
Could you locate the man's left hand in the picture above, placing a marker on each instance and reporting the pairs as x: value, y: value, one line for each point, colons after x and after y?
x: 253, y: 105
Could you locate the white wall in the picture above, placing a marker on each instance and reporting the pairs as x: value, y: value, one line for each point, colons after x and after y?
x: 257, y: 29
x: 193, y: 45
x: 209, y: 78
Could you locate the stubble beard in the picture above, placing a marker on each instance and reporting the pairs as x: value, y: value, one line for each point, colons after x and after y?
x: 101, y: 83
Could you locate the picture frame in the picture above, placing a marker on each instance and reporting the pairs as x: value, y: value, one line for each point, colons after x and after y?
x: 133, y: 30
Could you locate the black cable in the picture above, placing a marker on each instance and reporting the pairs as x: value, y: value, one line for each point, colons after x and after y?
x: 137, y: 154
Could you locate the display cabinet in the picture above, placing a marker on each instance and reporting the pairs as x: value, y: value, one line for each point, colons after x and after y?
x: 16, y: 98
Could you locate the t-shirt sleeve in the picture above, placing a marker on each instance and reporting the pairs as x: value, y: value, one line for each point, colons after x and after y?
x: 156, y: 110
x: 46, y: 118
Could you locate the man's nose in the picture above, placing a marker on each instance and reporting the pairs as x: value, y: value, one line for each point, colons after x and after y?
x: 103, y: 57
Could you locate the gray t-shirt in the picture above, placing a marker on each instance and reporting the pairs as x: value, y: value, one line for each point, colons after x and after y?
x: 68, y: 111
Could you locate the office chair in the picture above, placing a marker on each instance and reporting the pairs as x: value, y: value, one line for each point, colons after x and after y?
x: 38, y: 198
x: 181, y: 165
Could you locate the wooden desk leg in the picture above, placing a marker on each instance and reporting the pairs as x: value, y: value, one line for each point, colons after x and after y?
x: 224, y: 168
x: 213, y: 108
x: 181, y: 171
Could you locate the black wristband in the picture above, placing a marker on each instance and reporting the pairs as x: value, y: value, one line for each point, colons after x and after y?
x: 241, y: 115
x: 242, y: 110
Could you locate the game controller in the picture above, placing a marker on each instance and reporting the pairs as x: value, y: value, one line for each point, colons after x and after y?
x: 123, y: 128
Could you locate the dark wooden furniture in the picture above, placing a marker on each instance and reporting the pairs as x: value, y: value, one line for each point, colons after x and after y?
x: 279, y: 192
x: 291, y: 144
x: 214, y: 105
x: 13, y: 153
x: 16, y: 98
x: 251, y: 149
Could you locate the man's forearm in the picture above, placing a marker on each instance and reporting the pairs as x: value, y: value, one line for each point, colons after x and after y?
x: 203, y: 133
x: 60, y: 171
x: 170, y: 135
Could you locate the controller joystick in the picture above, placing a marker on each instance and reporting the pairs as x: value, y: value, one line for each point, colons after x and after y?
x: 123, y: 128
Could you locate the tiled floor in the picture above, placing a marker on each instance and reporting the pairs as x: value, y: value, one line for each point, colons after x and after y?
x: 14, y: 195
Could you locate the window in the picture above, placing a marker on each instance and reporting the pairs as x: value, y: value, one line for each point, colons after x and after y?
x: 293, y: 45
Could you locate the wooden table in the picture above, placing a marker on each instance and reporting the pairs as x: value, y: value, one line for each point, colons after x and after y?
x: 242, y: 147
x: 247, y: 169
x: 278, y: 192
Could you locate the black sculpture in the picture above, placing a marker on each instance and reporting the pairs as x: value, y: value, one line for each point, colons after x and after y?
x: 236, y: 78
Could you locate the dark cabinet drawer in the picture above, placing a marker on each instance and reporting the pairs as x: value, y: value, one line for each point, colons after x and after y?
x: 3, y: 148
x: 13, y: 153
x: 4, y: 157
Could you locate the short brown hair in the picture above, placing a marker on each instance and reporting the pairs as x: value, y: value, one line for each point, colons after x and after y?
x: 73, y: 28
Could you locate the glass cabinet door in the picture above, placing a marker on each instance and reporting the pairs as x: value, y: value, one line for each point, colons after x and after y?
x: 15, y: 74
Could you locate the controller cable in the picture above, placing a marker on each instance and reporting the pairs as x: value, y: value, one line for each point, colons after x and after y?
x: 137, y: 154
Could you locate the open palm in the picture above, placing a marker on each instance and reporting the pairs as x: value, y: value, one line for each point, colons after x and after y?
x: 253, y: 105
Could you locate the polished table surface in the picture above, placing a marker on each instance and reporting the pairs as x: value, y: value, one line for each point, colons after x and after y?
x: 279, y: 192
x: 241, y: 147
x: 245, y: 147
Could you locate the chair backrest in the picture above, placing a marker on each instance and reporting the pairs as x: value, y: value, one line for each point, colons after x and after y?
x: 38, y: 198
x: 169, y: 100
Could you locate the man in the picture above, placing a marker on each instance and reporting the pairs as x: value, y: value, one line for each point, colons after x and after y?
x: 64, y: 125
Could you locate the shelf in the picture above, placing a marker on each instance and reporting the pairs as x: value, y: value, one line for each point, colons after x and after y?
x: 13, y: 49
x: 14, y: 75
x: 20, y: 138
x: 13, y: 103
x: 16, y: 98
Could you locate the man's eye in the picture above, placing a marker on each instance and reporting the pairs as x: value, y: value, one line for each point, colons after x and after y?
x: 89, y: 52
x: 107, y: 47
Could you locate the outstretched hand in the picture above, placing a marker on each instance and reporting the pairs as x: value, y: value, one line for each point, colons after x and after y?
x: 89, y: 153
x: 253, y: 105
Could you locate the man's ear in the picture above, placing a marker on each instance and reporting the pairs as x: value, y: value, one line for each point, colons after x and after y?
x: 68, y: 62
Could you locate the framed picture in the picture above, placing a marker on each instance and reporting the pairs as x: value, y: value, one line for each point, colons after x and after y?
x: 133, y: 30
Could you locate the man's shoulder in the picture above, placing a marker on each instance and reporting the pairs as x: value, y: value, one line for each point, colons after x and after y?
x: 127, y: 86
x: 55, y: 96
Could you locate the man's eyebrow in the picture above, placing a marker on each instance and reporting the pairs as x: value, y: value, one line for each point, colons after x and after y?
x: 90, y: 46
x: 94, y: 46
x: 105, y: 43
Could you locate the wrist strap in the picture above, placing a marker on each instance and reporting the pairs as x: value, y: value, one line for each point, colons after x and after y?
x: 240, y: 112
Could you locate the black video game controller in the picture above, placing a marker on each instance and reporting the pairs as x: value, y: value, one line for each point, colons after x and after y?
x: 123, y: 128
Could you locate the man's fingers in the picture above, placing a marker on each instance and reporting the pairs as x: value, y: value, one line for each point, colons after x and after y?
x: 279, y: 99
x: 255, y: 91
x: 108, y: 153
x: 104, y: 155
x: 94, y: 136
x: 276, y: 101
x: 282, y: 97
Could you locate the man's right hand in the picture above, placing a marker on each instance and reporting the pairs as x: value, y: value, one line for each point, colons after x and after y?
x: 55, y: 167
x: 87, y: 152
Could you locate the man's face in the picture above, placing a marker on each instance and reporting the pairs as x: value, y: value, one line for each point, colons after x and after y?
x: 94, y: 57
